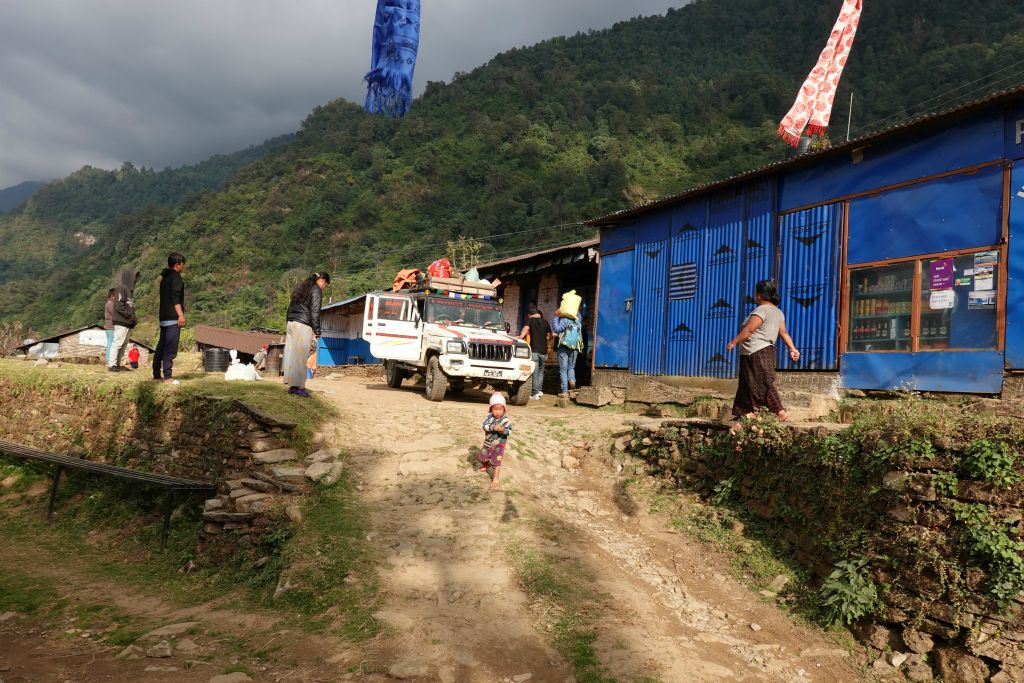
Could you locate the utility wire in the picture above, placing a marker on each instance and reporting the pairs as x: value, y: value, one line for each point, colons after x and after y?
x: 905, y: 111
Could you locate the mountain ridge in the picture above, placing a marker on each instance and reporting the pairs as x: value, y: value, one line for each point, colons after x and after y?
x: 514, y: 152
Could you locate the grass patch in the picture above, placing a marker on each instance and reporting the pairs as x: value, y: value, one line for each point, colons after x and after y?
x: 93, y: 384
x: 754, y: 562
x: 124, y: 635
x: 24, y: 593
x: 328, y: 561
x: 20, y: 475
x: 270, y: 397
x: 564, y: 591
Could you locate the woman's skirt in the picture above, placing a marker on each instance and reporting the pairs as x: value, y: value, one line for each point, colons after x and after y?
x: 757, y: 383
x: 298, y: 344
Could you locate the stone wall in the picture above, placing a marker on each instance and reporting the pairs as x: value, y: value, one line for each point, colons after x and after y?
x: 236, y: 446
x: 927, y: 536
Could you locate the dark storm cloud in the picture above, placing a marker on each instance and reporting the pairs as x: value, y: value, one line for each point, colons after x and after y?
x: 169, y: 83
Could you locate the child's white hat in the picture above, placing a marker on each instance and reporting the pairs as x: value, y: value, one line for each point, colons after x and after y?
x: 497, y: 399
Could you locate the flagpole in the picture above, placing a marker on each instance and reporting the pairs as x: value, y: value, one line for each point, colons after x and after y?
x: 849, y: 117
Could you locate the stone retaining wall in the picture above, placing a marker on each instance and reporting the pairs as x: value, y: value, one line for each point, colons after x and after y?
x: 208, y: 438
x: 909, y: 518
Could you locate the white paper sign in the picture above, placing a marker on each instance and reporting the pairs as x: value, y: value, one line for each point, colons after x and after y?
x: 942, y: 299
x: 92, y: 338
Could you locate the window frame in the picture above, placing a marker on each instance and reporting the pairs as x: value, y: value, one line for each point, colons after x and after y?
x: 916, y: 292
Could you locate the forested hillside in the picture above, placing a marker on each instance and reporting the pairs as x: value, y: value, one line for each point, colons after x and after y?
x: 543, y: 136
x: 14, y: 196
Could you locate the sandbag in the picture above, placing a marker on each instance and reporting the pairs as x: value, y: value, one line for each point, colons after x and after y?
x: 570, y: 306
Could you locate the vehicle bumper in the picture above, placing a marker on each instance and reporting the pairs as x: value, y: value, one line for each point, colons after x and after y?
x: 518, y: 370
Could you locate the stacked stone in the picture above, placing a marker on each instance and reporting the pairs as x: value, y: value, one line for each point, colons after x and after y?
x: 915, y: 632
x: 263, y: 491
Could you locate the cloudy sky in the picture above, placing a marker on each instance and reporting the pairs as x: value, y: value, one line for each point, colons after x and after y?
x: 168, y: 83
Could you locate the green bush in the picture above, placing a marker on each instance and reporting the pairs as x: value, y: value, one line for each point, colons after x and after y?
x: 990, y: 461
x: 849, y: 593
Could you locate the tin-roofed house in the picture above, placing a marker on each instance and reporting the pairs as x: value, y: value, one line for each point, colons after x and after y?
x: 82, y: 345
x: 247, y: 344
x: 899, y: 255
x: 341, y: 328
x: 543, y: 276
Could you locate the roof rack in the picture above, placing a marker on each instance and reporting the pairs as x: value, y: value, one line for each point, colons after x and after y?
x: 459, y: 285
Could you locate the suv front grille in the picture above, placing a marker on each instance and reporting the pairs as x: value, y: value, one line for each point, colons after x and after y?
x: 498, y: 352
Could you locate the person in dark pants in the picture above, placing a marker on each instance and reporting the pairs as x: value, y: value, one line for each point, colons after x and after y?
x: 539, y: 332
x: 756, y: 341
x: 172, y: 317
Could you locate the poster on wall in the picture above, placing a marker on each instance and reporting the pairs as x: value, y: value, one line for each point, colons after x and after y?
x: 981, y: 300
x: 942, y: 299
x: 984, y: 270
x: 941, y: 273
x: 92, y: 338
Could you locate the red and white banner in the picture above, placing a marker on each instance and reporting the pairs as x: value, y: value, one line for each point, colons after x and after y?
x: 813, y: 107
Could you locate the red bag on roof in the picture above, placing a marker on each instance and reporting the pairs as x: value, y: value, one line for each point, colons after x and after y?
x: 442, y: 267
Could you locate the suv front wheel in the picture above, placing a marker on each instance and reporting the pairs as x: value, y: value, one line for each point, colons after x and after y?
x: 436, y: 380
x: 520, y: 394
x: 393, y: 374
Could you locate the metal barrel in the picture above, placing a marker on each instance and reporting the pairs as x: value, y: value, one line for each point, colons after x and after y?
x: 216, y: 360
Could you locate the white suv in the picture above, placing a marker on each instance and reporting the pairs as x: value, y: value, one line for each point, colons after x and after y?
x: 451, y: 342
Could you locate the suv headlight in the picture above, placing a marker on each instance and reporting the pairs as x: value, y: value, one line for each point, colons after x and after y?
x: 522, y: 351
x: 455, y: 347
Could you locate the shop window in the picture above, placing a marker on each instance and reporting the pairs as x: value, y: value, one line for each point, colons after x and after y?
x: 958, y: 302
x: 881, y: 304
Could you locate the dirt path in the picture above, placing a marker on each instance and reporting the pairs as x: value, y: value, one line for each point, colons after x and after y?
x: 670, y: 612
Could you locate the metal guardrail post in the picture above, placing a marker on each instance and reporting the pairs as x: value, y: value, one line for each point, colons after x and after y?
x: 53, y: 491
x: 168, y: 508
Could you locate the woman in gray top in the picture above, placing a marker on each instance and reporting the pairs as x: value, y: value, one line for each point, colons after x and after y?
x: 756, y: 340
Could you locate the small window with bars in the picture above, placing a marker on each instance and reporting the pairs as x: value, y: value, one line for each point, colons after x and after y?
x: 682, y: 281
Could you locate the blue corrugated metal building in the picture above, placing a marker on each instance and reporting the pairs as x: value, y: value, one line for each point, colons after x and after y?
x: 341, y: 326
x: 899, y: 255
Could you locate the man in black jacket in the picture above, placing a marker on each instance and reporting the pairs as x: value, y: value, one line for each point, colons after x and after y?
x: 123, y: 317
x: 172, y: 317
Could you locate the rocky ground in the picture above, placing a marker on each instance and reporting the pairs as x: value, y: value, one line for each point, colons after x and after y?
x: 476, y: 585
x: 668, y: 610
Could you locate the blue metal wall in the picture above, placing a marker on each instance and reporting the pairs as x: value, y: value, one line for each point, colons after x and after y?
x: 1015, y: 274
x: 685, y: 321
x: 758, y: 239
x: 650, y: 279
x: 978, y: 372
x: 615, y: 300
x: 720, y: 289
x: 1014, y: 131
x: 948, y: 213
x: 917, y: 154
x: 809, y: 277
x: 338, y: 351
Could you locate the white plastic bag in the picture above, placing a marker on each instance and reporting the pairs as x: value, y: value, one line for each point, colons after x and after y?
x: 239, y: 372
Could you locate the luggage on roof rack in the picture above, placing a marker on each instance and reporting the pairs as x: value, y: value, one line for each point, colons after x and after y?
x: 460, y: 285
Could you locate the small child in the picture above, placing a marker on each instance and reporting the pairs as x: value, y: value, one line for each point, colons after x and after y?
x: 133, y: 357
x: 496, y: 430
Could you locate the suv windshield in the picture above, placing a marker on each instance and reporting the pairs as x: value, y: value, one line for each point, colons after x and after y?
x: 465, y: 311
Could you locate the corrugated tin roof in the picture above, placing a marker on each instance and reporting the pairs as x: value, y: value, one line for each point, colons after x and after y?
x: 804, y: 159
x: 244, y: 342
x: 537, y: 260
x: 56, y: 337
x: 340, y: 304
